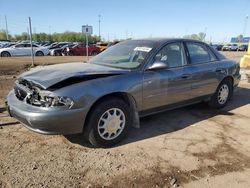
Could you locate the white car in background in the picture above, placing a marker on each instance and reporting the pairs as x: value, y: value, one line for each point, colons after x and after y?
x: 23, y: 49
x: 234, y: 47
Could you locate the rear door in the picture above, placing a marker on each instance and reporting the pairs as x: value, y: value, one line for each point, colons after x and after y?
x: 170, y: 85
x: 27, y: 49
x: 203, y: 66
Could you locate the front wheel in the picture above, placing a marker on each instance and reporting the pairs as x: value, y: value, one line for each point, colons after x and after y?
x: 5, y: 54
x: 109, y: 123
x: 222, y: 94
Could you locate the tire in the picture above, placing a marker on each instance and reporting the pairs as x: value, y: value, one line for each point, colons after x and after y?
x: 5, y: 54
x: 120, y: 121
x: 39, y: 53
x: 57, y: 53
x: 223, y: 93
x: 94, y: 53
x: 70, y: 54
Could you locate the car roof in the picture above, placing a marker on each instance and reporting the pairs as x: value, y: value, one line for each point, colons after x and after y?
x: 165, y: 40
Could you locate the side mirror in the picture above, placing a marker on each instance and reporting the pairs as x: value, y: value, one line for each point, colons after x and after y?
x: 157, y: 65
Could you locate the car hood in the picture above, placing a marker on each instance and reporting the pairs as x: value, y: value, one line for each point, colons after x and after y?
x: 48, y: 76
x: 6, y: 49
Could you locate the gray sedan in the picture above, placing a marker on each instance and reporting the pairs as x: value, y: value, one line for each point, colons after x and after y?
x: 105, y: 97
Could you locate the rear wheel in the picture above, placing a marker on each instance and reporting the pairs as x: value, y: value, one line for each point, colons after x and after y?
x: 39, y: 53
x: 94, y: 53
x: 109, y: 123
x: 57, y: 53
x: 223, y: 93
x: 5, y: 54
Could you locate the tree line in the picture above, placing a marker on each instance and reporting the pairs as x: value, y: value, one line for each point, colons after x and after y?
x: 57, y: 37
x: 79, y: 37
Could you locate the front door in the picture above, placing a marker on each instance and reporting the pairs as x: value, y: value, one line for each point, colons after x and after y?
x: 19, y: 50
x: 170, y: 85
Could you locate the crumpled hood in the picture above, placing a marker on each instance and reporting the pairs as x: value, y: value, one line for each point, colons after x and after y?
x: 46, y: 76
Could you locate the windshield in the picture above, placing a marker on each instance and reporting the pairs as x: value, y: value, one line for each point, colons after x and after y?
x: 127, y: 55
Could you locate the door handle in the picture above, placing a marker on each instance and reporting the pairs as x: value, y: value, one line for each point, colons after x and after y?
x: 185, y: 76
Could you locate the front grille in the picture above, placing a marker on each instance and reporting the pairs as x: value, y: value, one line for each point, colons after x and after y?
x: 20, y: 93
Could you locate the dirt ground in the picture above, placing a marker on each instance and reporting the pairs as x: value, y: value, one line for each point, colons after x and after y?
x: 195, y: 146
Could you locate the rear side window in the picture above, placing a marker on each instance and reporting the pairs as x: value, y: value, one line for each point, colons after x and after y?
x: 81, y: 46
x: 199, y: 53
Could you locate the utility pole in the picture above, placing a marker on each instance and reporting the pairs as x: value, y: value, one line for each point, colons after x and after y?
x: 6, y: 27
x: 245, y: 26
x: 31, y: 45
x: 28, y: 33
x: 34, y: 32
x: 99, y: 21
x: 87, y: 46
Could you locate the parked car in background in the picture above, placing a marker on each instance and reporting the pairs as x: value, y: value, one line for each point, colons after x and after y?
x: 80, y: 49
x: 23, y: 49
x: 7, y: 45
x: 226, y: 47
x: 102, y: 45
x: 243, y: 47
x: 50, y: 44
x: 58, y: 51
x: 106, y: 96
x: 4, y: 43
x: 234, y: 47
x: 217, y: 46
x: 58, y: 45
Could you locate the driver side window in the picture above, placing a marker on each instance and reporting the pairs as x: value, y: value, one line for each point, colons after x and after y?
x: 20, y: 45
x: 171, y: 54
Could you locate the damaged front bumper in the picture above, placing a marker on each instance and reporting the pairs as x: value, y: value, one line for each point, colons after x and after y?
x: 46, y: 120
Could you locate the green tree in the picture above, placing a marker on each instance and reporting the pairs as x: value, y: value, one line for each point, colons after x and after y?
x: 200, y: 36
x: 3, y: 35
x: 57, y: 37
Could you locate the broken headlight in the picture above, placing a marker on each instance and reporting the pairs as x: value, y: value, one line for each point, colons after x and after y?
x: 50, y: 101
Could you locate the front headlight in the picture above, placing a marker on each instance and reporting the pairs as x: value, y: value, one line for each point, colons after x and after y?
x: 50, y: 101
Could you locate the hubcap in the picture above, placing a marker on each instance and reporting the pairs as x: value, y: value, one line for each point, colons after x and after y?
x: 223, y: 94
x: 5, y: 54
x: 111, y: 124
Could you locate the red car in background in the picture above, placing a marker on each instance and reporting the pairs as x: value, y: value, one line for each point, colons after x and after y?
x: 81, y: 50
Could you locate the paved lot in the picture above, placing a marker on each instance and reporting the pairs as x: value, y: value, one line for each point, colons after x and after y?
x: 195, y: 146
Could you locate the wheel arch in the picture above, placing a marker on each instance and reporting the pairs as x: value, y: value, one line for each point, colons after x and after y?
x: 231, y: 79
x: 228, y: 77
x: 126, y: 97
x: 39, y: 51
x: 5, y: 52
